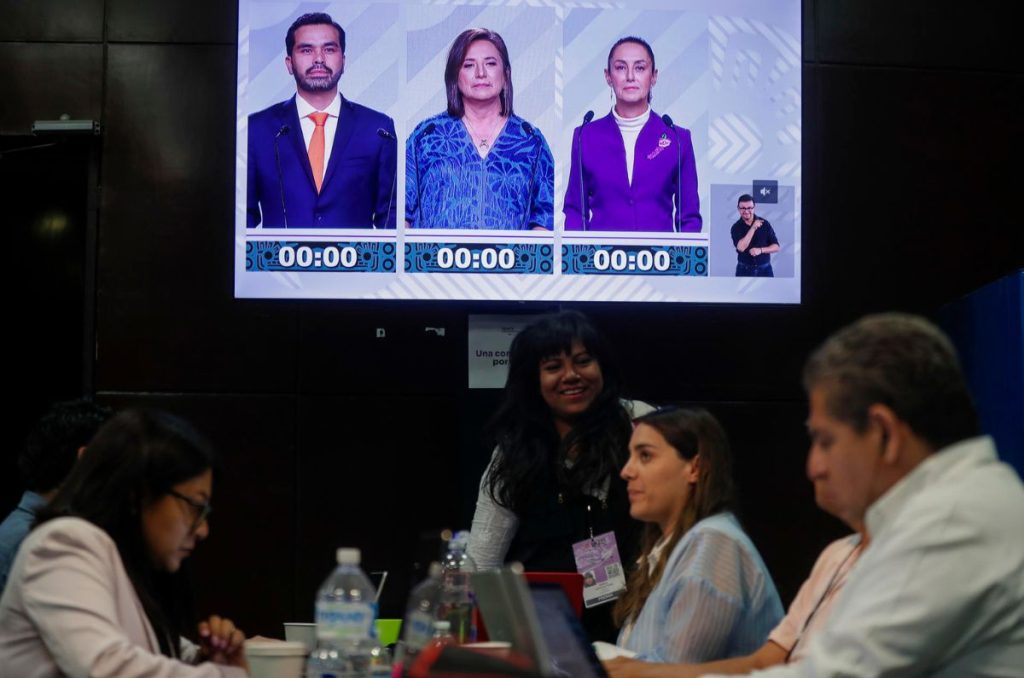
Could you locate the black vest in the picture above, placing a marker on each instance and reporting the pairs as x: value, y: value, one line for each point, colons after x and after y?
x: 553, y: 521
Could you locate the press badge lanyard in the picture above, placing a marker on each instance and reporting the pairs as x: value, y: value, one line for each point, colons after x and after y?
x: 590, y: 525
x: 597, y: 559
x: 833, y: 584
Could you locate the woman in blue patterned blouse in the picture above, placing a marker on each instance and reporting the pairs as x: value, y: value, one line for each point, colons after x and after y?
x: 478, y: 165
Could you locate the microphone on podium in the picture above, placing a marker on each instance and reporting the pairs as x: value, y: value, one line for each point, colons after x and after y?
x: 584, y: 210
x: 678, y: 218
x: 384, y: 134
x: 528, y: 129
x: 280, y: 178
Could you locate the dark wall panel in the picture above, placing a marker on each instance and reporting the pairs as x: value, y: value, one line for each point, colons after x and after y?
x: 914, y: 193
x: 45, y: 187
x: 920, y: 33
x: 706, y: 352
x: 373, y: 472
x: 340, y: 350
x: 51, y: 21
x: 166, y: 316
x: 243, y: 570
x: 808, y: 40
x: 42, y: 81
x: 180, y: 21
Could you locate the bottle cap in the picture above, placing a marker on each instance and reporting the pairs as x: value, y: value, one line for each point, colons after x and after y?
x: 348, y: 556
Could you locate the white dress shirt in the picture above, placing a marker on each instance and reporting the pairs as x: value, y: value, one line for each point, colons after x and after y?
x: 333, y: 111
x: 940, y: 590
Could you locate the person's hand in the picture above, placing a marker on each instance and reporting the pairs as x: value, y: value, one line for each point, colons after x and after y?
x: 221, y: 643
x: 758, y: 223
x: 755, y: 251
x: 620, y: 667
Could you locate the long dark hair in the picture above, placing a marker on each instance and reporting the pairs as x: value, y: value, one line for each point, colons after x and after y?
x: 457, y: 55
x: 134, y: 460
x: 689, y: 432
x: 524, y: 428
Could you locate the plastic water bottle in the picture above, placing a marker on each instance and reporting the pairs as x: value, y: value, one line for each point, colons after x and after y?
x: 442, y: 633
x: 421, y: 612
x: 345, y: 612
x: 457, y: 599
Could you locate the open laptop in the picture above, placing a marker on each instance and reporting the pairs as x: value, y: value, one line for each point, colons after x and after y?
x: 538, y: 620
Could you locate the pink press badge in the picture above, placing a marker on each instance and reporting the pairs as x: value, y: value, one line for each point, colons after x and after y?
x: 597, y: 559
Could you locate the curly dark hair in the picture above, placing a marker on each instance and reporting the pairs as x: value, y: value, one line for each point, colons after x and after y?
x: 51, y: 448
x: 134, y: 460
x: 524, y: 430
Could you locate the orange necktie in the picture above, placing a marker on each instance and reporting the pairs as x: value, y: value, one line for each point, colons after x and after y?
x: 316, y: 148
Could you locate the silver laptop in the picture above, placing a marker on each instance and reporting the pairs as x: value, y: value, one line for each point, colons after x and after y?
x: 538, y: 621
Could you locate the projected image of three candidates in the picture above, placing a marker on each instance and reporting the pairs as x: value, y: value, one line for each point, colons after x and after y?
x: 538, y: 144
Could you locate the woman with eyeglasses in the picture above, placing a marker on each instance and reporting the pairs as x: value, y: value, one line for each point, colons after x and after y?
x: 700, y: 590
x: 96, y: 588
x: 561, y: 434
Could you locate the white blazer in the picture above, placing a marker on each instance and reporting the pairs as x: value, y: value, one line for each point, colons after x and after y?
x: 70, y: 609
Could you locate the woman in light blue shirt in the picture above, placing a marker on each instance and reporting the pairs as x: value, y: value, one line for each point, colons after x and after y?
x: 700, y: 591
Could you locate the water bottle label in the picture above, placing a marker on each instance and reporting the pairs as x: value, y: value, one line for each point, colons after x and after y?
x: 340, y: 621
x: 420, y: 630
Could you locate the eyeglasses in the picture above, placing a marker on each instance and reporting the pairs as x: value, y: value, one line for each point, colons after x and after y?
x: 201, y: 510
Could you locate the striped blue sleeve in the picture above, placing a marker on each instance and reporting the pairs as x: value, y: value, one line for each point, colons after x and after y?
x: 715, y: 599
x: 699, y: 620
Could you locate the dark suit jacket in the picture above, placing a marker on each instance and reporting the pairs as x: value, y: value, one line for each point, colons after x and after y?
x: 358, y: 190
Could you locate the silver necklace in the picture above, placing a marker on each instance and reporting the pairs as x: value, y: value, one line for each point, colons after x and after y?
x: 483, y: 140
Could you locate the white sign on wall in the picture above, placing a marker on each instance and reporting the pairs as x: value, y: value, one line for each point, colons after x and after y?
x: 489, y: 339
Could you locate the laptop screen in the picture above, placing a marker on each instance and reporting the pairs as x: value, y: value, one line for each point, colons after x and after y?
x: 570, y: 649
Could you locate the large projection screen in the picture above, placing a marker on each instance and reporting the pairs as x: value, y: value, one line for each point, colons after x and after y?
x: 728, y: 77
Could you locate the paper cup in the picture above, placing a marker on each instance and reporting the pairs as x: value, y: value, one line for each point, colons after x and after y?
x: 275, y: 659
x: 301, y: 633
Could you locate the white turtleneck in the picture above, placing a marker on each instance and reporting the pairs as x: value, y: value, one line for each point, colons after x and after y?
x: 630, y: 130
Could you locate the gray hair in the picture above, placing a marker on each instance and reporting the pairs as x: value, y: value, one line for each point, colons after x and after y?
x: 901, y: 361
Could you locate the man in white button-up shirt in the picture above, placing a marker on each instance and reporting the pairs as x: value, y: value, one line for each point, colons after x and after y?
x: 939, y: 590
x: 894, y: 442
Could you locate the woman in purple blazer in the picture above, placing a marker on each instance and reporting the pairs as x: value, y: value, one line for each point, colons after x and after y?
x: 632, y: 170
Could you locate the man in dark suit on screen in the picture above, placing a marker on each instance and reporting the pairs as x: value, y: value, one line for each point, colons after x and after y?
x: 318, y: 160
